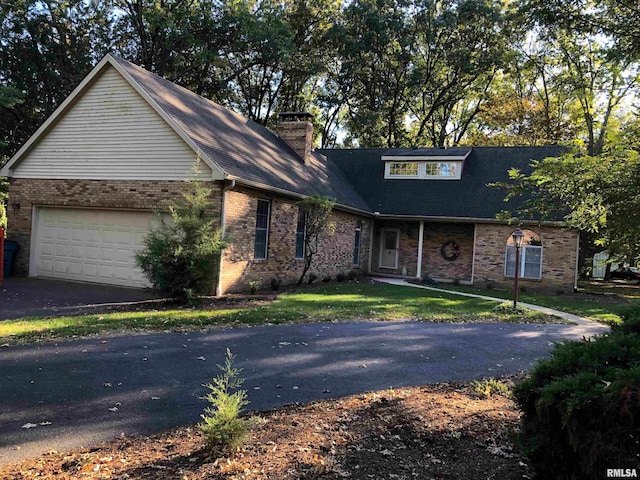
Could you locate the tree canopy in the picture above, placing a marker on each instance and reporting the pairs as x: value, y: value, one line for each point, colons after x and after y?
x: 373, y: 72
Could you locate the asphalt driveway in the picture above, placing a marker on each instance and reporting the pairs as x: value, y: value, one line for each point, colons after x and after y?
x: 25, y: 297
x: 79, y: 393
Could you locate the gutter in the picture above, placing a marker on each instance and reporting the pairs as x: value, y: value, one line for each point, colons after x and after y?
x: 554, y: 223
x: 223, y: 227
x: 289, y: 193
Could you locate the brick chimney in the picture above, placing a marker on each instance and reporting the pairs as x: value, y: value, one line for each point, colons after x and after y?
x: 296, y: 129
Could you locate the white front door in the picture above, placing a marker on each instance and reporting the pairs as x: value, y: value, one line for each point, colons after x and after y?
x: 389, y: 241
x: 90, y: 245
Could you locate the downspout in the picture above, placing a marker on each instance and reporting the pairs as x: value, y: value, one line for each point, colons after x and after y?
x: 420, y: 244
x: 223, y: 229
x: 473, y: 257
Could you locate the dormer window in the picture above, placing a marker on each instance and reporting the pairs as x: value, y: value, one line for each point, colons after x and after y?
x: 442, y: 169
x: 403, y: 169
x: 426, y: 166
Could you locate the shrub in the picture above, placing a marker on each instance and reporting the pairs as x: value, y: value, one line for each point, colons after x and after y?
x: 223, y: 423
x: 353, y: 274
x: 326, y: 278
x: 181, y: 257
x: 341, y: 277
x: 630, y: 315
x: 276, y: 283
x: 581, y: 407
x: 312, y: 278
x: 254, y: 286
x: 427, y: 280
x: 508, y: 308
x: 489, y: 387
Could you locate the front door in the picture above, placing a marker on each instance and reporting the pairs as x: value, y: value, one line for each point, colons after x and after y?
x: 389, y: 249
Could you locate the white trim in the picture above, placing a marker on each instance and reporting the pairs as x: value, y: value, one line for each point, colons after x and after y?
x: 421, y: 174
x: 33, y: 244
x: 420, y: 246
x: 108, y: 60
x: 388, y: 174
x: 382, y: 231
x: 266, y: 245
x: 357, y: 230
x: 426, y: 158
x: 522, y: 258
x: 473, y: 253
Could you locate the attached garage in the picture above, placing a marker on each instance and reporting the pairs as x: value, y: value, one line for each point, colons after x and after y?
x: 89, y: 245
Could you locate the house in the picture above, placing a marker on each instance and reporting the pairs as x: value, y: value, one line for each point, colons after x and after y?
x: 84, y: 187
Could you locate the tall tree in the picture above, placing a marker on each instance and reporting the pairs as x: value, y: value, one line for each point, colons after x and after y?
x: 459, y: 47
x: 47, y: 48
x: 599, y: 195
x: 374, y: 41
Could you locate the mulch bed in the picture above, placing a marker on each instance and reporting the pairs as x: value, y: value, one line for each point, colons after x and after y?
x: 442, y: 431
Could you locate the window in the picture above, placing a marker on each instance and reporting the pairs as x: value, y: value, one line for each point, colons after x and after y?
x: 356, y: 243
x: 530, y: 257
x: 260, y: 245
x: 300, y: 231
x: 441, y: 169
x: 424, y: 170
x: 403, y: 169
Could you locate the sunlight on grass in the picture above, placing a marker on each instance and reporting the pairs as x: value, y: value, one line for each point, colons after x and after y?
x: 339, y: 302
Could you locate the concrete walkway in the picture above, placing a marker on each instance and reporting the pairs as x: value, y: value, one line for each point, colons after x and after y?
x: 585, y: 324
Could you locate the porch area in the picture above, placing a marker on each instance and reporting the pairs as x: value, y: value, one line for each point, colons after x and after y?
x: 443, y: 251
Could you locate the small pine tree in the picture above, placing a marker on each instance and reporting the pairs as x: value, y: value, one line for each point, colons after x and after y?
x: 223, y: 423
x: 181, y: 257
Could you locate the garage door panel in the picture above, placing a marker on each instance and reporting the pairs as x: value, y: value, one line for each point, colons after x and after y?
x: 91, y: 245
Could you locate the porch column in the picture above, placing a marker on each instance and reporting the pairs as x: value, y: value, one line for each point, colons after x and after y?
x: 420, y: 241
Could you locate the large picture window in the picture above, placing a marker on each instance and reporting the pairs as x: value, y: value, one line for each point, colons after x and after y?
x: 260, y: 245
x: 300, y: 231
x: 530, y: 257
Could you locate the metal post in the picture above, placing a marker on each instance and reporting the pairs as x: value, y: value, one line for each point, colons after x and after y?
x: 1, y: 255
x: 515, y: 281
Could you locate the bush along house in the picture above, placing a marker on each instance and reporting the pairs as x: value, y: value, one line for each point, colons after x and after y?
x: 83, y: 190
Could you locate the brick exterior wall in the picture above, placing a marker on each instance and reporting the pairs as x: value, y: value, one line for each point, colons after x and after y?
x: 558, y: 257
x: 238, y: 265
x: 110, y: 194
x: 433, y: 264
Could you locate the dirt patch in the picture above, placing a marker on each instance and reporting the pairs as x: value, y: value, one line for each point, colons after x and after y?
x: 442, y: 431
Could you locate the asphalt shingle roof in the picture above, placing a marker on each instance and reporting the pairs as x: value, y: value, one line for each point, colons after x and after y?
x: 243, y: 148
x: 469, y: 197
x: 353, y: 177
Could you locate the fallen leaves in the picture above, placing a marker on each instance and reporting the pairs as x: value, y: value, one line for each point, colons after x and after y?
x: 435, y: 431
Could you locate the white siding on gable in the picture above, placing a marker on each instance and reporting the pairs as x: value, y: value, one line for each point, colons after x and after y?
x: 111, y: 133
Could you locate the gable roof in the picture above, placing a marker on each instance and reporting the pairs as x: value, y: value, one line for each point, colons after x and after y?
x: 470, y: 197
x: 234, y: 147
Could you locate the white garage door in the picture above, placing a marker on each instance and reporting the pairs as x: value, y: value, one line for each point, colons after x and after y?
x: 90, y: 245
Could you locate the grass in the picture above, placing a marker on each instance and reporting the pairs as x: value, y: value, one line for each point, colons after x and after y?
x: 323, y: 303
x: 602, y: 306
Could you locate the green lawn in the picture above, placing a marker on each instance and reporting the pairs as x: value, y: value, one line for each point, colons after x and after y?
x: 594, y: 302
x: 337, y: 302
